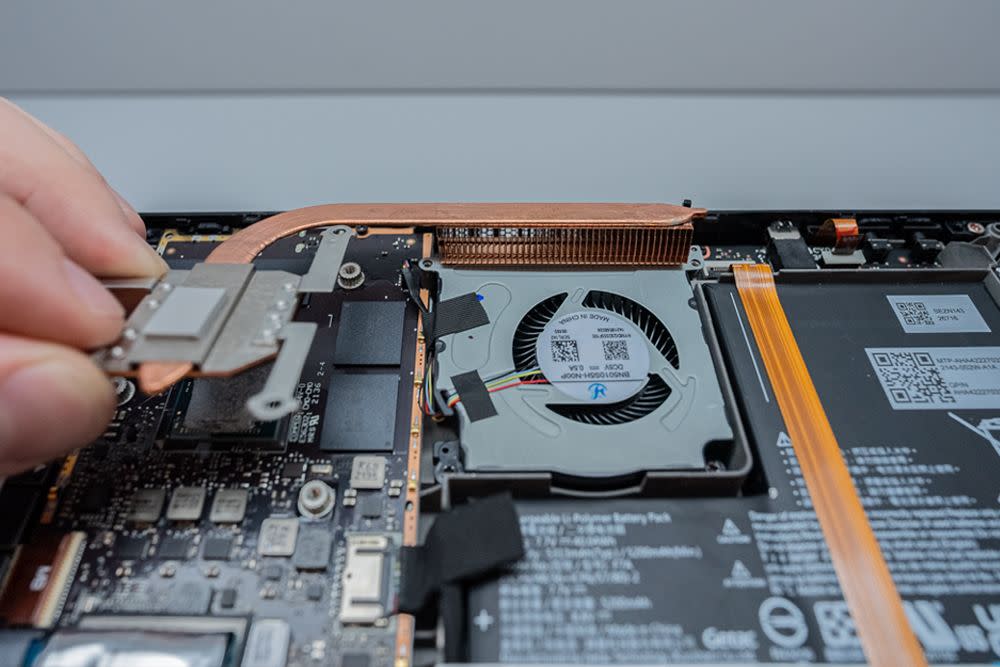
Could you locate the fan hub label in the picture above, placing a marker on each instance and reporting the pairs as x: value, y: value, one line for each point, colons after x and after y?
x: 593, y: 356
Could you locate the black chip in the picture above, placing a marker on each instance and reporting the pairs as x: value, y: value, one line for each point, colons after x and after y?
x: 370, y: 507
x: 271, y: 572
x: 356, y: 660
x: 217, y: 548
x: 95, y: 498
x: 361, y: 413
x: 218, y: 405
x: 370, y: 333
x: 131, y: 548
x: 313, y: 550
x: 227, y: 598
x: 314, y: 592
x: 213, y: 411
x: 174, y: 548
x: 293, y: 470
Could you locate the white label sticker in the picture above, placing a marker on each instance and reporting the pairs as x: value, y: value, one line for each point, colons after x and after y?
x: 938, y: 313
x: 938, y: 378
x: 594, y: 356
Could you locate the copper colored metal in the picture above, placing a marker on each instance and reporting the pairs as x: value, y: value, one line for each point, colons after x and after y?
x: 246, y: 244
x: 564, y: 246
x: 405, y: 622
x: 155, y: 376
x: 482, y: 235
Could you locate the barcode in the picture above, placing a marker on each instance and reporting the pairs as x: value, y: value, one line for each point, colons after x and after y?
x: 565, y: 350
x: 911, y: 377
x: 914, y: 312
x: 615, y: 350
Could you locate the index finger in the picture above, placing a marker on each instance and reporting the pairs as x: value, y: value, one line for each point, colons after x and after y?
x: 74, y: 152
x: 71, y: 201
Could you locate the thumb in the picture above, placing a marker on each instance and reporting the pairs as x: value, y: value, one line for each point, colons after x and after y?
x: 52, y: 400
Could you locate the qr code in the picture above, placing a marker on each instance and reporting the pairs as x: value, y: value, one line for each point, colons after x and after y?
x: 911, y: 377
x: 565, y: 350
x: 615, y: 350
x: 914, y: 313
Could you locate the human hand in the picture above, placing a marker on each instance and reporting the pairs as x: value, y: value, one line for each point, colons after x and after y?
x: 60, y: 225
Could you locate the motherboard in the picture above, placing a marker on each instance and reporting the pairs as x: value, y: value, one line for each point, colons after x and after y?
x: 192, y: 509
x: 503, y: 445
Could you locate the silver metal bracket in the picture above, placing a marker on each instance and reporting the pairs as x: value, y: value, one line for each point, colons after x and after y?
x: 225, y: 318
x: 322, y: 275
x: 277, y: 398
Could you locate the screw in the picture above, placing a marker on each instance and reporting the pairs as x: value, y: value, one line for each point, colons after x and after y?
x: 975, y: 228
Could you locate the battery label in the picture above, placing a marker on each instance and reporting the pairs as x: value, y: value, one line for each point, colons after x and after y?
x: 938, y: 378
x: 593, y: 356
x: 938, y: 313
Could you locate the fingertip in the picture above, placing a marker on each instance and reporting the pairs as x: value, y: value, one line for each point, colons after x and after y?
x: 102, y: 315
x: 132, y: 216
x: 51, y: 402
x: 52, y: 179
x: 128, y: 256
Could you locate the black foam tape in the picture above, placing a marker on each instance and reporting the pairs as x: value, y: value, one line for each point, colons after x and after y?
x: 793, y: 254
x: 474, y: 396
x: 464, y: 544
x: 459, y: 314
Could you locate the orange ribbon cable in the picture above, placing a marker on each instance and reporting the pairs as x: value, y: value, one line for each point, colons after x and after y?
x: 871, y: 595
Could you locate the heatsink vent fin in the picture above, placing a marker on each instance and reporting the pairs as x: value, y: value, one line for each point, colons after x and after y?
x: 564, y: 245
x: 530, y: 328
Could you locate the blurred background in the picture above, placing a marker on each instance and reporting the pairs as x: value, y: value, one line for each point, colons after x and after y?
x: 189, y: 105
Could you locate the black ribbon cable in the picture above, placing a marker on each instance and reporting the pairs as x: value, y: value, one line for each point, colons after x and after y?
x: 459, y: 314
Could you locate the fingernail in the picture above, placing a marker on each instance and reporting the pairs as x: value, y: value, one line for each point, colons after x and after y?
x: 91, y: 292
x: 153, y: 264
x: 123, y: 203
x: 136, y: 221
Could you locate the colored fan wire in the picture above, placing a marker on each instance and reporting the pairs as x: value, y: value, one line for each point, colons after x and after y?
x: 505, y: 381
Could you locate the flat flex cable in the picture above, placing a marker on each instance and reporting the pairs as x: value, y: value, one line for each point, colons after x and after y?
x: 869, y: 591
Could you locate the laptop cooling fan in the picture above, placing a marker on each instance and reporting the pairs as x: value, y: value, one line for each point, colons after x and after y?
x: 597, y: 374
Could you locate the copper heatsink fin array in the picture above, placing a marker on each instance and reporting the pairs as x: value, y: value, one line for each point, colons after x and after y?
x: 509, y: 234
x: 564, y: 245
